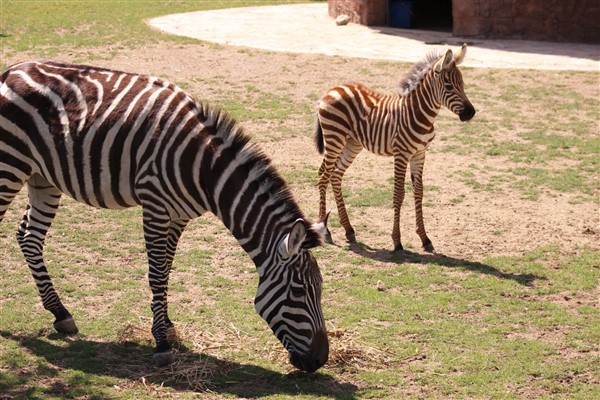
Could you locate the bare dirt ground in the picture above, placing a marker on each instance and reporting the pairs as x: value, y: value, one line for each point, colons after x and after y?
x: 482, y: 224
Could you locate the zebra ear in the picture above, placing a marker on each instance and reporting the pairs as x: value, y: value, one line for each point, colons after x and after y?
x: 459, y: 57
x: 444, y: 62
x: 292, y: 242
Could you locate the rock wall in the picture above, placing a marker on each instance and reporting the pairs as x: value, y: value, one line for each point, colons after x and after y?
x: 364, y: 12
x: 552, y: 20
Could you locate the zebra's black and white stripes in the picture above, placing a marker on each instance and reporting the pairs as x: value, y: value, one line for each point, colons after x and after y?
x: 352, y: 117
x: 114, y: 140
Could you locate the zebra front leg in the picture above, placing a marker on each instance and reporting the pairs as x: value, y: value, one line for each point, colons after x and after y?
x: 44, y: 200
x: 416, y: 176
x: 176, y: 228
x: 400, y: 164
x: 351, y: 150
x: 156, y: 230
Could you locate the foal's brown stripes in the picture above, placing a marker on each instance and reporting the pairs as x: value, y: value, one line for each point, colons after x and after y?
x: 352, y: 117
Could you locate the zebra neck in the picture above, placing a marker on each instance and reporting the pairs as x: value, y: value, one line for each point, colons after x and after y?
x: 255, y: 204
x: 420, y: 107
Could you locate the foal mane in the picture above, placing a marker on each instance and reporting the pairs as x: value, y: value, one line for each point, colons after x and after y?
x: 415, y: 74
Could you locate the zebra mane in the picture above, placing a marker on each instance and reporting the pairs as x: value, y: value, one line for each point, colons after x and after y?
x: 415, y: 75
x: 259, y: 164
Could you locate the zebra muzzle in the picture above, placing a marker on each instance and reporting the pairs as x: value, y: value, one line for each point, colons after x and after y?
x: 467, y: 113
x: 315, y: 358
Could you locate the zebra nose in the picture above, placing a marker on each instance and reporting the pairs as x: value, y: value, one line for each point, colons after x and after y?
x: 316, y: 357
x: 320, y: 349
x: 467, y: 113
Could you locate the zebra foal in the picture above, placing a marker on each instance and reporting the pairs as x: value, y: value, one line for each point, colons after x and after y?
x: 352, y: 117
x: 114, y: 140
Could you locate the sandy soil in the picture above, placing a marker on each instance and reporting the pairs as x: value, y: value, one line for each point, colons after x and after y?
x: 480, y: 225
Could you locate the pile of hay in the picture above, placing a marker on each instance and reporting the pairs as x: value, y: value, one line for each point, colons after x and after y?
x: 191, y: 370
x: 346, y: 350
x: 194, y: 369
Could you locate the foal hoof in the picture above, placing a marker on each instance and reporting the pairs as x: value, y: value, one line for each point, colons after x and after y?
x: 428, y: 247
x: 66, y: 326
x: 351, y: 236
x: 163, y: 359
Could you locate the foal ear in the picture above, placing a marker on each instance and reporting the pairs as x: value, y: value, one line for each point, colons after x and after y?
x: 459, y: 57
x: 292, y: 242
x: 444, y: 62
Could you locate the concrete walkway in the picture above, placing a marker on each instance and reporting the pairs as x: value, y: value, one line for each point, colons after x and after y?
x: 306, y: 28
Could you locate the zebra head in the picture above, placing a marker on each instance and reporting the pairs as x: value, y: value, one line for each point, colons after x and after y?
x: 289, y: 298
x: 450, y: 84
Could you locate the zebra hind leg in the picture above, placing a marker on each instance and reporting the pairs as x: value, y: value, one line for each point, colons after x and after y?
x: 44, y: 200
x: 324, y: 176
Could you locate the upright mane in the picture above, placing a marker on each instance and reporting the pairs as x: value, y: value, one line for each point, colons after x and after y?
x: 415, y: 75
x: 259, y: 164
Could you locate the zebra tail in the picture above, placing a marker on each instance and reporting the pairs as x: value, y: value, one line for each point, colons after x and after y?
x: 319, y: 137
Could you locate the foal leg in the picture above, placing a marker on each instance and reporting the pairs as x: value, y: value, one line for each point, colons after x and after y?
x: 348, y: 155
x: 332, y: 152
x: 400, y: 164
x: 416, y: 175
x: 44, y: 200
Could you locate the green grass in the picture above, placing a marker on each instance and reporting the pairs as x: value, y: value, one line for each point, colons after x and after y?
x: 409, y: 325
x: 50, y: 27
x: 540, y: 124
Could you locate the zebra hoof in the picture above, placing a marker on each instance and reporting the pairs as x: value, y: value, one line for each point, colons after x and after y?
x: 428, y: 247
x: 351, y: 236
x: 66, y: 326
x: 163, y: 359
x: 398, y: 248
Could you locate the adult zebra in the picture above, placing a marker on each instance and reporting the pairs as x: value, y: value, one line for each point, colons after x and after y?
x: 351, y: 117
x: 114, y: 140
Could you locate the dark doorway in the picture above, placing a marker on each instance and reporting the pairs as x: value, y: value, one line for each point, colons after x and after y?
x: 432, y: 15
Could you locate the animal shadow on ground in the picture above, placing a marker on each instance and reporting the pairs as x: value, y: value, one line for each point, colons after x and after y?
x: 92, y: 361
x: 404, y: 256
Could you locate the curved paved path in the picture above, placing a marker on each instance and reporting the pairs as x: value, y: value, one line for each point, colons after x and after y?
x: 306, y: 28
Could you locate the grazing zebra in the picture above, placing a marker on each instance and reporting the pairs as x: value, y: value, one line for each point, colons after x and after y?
x: 352, y: 117
x: 114, y: 140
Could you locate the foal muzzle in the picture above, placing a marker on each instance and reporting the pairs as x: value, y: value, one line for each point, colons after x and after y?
x: 467, y: 113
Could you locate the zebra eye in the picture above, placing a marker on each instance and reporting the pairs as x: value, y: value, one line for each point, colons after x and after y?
x: 298, y: 291
x: 448, y: 86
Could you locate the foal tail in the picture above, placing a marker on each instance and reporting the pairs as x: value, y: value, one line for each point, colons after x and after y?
x: 319, y: 137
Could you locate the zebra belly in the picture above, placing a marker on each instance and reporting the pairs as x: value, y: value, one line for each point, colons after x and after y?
x: 91, y: 185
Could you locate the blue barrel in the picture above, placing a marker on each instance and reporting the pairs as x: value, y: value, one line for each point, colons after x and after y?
x: 401, y: 13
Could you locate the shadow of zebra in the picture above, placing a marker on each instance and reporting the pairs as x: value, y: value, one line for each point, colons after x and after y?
x: 75, y: 366
x: 407, y: 256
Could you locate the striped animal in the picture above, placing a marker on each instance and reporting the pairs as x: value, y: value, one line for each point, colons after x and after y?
x: 352, y: 117
x: 114, y: 140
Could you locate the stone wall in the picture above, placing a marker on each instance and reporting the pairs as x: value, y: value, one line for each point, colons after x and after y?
x: 365, y: 12
x: 553, y: 20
